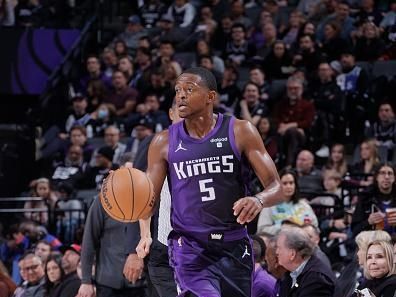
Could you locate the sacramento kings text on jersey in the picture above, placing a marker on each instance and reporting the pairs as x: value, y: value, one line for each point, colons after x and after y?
x: 218, y: 164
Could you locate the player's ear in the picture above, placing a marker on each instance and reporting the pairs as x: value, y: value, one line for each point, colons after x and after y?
x: 212, y: 96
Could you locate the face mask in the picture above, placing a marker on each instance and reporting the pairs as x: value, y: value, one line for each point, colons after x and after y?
x: 103, y: 113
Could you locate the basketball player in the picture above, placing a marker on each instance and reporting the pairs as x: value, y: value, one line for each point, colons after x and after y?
x: 204, y: 157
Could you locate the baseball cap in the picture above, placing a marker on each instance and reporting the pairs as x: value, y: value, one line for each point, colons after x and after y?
x: 134, y: 19
x: 107, y: 152
x: 146, y: 122
x: 73, y: 247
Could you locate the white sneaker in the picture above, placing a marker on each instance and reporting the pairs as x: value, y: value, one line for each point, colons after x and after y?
x: 323, y: 152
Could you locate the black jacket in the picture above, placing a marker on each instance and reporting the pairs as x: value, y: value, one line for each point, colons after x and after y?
x: 364, y: 209
x: 68, y: 287
x: 316, y: 279
x: 383, y: 287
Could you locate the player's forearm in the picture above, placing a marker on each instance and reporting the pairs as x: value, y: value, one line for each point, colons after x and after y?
x: 271, y: 195
x: 144, y: 225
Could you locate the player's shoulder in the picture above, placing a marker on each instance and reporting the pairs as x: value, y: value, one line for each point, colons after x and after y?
x: 243, y: 126
x: 161, y: 138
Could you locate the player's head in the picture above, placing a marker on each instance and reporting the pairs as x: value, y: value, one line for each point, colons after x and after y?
x: 196, y: 91
x: 207, y: 78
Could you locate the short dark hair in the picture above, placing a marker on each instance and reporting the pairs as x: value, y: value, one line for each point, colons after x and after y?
x: 206, y: 76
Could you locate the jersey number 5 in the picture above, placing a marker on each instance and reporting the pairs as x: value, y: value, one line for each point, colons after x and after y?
x: 203, y: 187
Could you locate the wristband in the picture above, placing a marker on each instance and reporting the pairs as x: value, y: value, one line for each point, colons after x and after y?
x: 259, y: 200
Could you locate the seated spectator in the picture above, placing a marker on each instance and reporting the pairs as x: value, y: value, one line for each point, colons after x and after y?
x: 206, y: 25
x: 341, y: 16
x: 279, y: 15
x: 368, y: 164
x: 33, y: 269
x: 167, y: 29
x: 71, y: 282
x: 328, y: 100
x: 380, y: 269
x: 257, y: 76
x: 384, y: 131
x: 54, y: 275
x: 229, y: 92
x: 43, y: 250
x: 104, y: 117
x: 308, y: 56
x: 110, y: 61
x: 238, y: 51
x: 206, y: 61
x: 294, y: 117
x: 93, y: 176
x: 78, y: 136
x: 369, y: 46
x: 166, y: 54
x: 307, y: 6
x: 270, y: 37
x: 133, y: 31
x: 353, y: 82
x: 71, y: 169
x: 143, y: 69
x: 309, y: 178
x: 125, y: 64
x: 40, y: 188
x: 294, y: 208
x: 263, y: 282
x: 182, y: 12
x: 203, y: 48
x: 290, y: 34
x: 364, y: 239
x: 337, y: 159
x: 333, y: 44
x: 223, y: 33
x: 269, y: 137
x: 368, y: 13
x: 122, y: 97
x: 313, y: 233
x: 93, y: 73
x: 251, y: 108
x: 278, y: 62
x: 33, y: 232
x: 96, y: 92
x: 143, y: 130
x: 120, y: 48
x: 308, y: 275
x: 257, y: 37
x: 151, y: 109
x: 371, y: 209
x: 162, y: 89
x: 79, y: 115
x: 112, y: 139
x: 237, y: 13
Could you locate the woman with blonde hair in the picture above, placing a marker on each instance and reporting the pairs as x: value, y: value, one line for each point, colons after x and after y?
x: 380, y: 269
x: 365, y: 238
x: 369, y: 161
x: 40, y: 188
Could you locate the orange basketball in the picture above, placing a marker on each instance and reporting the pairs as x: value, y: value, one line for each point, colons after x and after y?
x: 127, y: 195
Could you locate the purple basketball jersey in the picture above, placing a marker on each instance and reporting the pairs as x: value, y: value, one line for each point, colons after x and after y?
x: 205, y: 179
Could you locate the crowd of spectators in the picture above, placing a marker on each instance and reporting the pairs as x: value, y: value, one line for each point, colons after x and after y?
x: 297, y: 70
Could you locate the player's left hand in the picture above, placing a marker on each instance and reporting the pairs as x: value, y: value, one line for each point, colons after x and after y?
x: 133, y: 268
x: 246, y: 209
x: 143, y: 248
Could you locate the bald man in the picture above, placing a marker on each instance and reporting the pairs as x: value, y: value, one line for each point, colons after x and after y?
x: 309, y: 178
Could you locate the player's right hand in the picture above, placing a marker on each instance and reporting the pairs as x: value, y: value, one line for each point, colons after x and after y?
x: 86, y: 290
x: 143, y: 248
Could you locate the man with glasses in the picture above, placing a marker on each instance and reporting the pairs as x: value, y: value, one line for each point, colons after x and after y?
x: 376, y: 208
x: 32, y: 268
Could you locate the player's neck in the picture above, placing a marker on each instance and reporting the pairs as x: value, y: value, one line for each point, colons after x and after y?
x: 201, y: 125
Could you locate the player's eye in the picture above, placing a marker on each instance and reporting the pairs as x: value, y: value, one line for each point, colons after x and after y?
x: 189, y: 90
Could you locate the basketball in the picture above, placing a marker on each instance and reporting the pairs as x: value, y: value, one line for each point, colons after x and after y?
x: 127, y: 195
